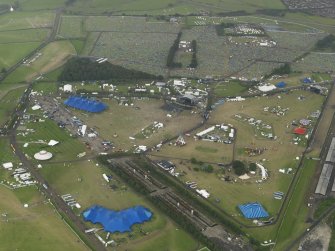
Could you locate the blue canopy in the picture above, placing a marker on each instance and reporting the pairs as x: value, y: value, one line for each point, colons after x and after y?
x: 307, y: 81
x: 85, y: 104
x: 117, y: 221
x: 281, y: 85
x: 253, y: 210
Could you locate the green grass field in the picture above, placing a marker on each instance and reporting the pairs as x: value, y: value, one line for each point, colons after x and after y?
x: 53, y: 56
x: 8, y: 103
x: 14, y: 52
x: 23, y: 36
x: 75, y: 178
x: 35, y: 227
x: 67, y: 149
x: 230, y: 89
x: 280, y: 153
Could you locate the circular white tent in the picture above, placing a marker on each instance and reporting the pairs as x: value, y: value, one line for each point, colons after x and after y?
x: 43, y: 155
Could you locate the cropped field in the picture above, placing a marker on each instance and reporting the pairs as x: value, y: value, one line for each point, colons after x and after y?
x: 172, y: 6
x: 52, y: 57
x: 23, y: 36
x: 12, y: 53
x: 72, y: 27
x: 26, y: 20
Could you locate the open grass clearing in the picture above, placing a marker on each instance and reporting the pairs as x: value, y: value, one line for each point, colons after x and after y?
x: 14, y: 52
x: 230, y: 89
x: 29, y: 228
x: 52, y: 57
x: 75, y: 178
x: 9, y: 102
x: 126, y: 121
x: 22, y: 36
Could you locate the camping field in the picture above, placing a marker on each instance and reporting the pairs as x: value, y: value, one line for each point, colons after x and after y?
x: 278, y: 154
x: 76, y: 177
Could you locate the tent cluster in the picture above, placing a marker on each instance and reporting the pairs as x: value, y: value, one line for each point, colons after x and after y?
x: 85, y: 104
x: 117, y: 221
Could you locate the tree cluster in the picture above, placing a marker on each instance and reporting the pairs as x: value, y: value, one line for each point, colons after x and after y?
x: 220, y: 29
x: 81, y: 69
x: 326, y: 43
x: 239, y: 167
x: 172, y: 52
x: 194, y: 61
x: 282, y: 70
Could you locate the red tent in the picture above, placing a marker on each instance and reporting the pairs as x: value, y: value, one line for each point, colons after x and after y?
x: 300, y: 131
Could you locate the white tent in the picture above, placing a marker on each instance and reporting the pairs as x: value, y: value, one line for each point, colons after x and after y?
x: 43, y: 155
x: 52, y: 142
x: 67, y: 88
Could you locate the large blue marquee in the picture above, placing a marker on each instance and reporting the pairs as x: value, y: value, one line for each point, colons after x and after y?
x: 85, y: 104
x: 253, y: 210
x: 117, y: 221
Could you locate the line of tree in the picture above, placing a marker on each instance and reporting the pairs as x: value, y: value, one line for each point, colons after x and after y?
x: 326, y: 43
x: 282, y: 70
x: 187, y: 195
x: 180, y: 219
x: 82, y: 69
x: 180, y: 189
x: 172, y: 52
x: 194, y: 61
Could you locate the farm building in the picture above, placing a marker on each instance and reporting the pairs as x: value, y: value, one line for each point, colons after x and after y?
x: 85, y: 104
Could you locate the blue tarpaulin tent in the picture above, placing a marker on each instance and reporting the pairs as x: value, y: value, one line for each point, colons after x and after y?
x: 117, y: 221
x: 85, y: 104
x: 253, y: 210
x: 307, y: 81
x: 281, y: 85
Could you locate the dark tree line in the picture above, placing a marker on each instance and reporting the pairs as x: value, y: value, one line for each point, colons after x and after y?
x: 194, y: 61
x: 81, y: 69
x: 172, y: 52
x: 326, y: 43
x: 220, y: 29
x: 282, y: 70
